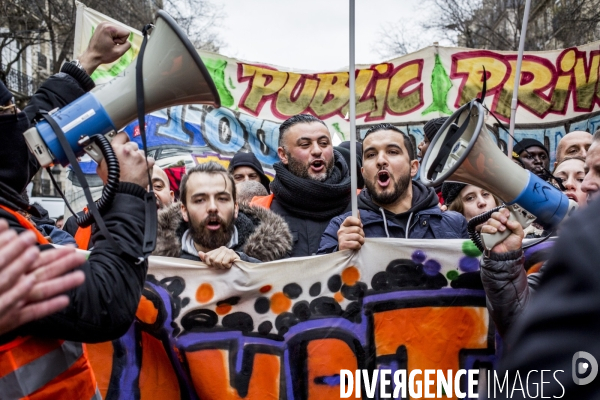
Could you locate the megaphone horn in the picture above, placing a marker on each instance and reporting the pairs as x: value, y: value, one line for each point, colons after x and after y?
x: 173, y: 75
x: 463, y: 151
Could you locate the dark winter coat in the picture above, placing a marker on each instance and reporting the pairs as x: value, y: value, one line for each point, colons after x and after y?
x: 563, y: 318
x: 262, y: 234
x: 104, y: 306
x: 507, y: 286
x: 306, y: 233
x: 425, y: 220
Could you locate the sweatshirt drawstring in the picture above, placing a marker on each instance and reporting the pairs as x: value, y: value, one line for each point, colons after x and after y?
x: 408, y: 224
x: 384, y: 222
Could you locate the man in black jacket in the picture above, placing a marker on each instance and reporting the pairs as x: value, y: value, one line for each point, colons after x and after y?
x: 104, y: 306
x: 312, y: 182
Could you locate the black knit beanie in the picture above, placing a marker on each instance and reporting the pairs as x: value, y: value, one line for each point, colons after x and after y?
x: 451, y: 190
x: 249, y: 160
x: 433, y: 126
x: 527, y: 143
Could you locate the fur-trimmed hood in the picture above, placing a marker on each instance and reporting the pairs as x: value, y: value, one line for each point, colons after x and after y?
x: 262, y: 234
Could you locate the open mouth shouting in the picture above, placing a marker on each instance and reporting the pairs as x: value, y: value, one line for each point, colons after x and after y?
x: 317, y: 166
x: 213, y: 223
x: 383, y: 178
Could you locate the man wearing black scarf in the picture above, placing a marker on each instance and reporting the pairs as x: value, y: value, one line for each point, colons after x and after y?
x: 312, y: 182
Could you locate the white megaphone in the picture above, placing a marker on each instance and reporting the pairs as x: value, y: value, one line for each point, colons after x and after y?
x: 463, y: 151
x: 173, y: 74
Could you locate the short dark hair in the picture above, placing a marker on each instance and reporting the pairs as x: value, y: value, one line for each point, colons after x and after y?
x: 297, y: 119
x: 60, y: 217
x: 211, y: 168
x: 389, y: 127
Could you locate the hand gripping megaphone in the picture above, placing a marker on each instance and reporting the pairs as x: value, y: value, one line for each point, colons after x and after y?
x: 463, y: 151
x: 168, y: 71
x: 173, y: 74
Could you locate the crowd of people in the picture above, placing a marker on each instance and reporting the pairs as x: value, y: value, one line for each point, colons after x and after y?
x: 54, y: 299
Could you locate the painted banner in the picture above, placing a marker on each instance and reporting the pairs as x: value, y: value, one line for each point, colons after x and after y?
x: 558, y: 93
x: 285, y: 329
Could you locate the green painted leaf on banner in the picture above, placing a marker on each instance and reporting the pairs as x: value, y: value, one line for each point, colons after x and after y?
x: 336, y: 126
x: 216, y: 69
x: 440, y: 87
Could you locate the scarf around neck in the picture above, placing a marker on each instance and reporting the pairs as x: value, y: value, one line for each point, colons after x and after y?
x: 313, y: 199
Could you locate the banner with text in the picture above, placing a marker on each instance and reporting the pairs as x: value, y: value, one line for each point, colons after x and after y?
x: 558, y: 93
x: 285, y: 329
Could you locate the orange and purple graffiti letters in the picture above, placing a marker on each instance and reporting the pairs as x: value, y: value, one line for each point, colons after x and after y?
x: 326, y: 357
x: 101, y: 360
x: 214, y: 382
x: 157, y: 377
x: 433, y: 336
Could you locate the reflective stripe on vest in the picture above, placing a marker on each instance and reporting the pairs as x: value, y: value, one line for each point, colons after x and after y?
x: 97, y: 395
x: 25, y: 379
x: 36, y: 369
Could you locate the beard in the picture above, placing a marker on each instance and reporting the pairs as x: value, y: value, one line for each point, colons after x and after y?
x: 300, y: 169
x: 210, y: 239
x: 400, y: 187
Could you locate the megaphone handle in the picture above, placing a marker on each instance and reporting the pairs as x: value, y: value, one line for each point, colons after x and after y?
x: 518, y: 214
x: 490, y: 240
x: 94, y: 150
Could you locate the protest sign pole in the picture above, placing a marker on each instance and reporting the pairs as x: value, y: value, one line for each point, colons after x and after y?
x: 513, y: 105
x: 352, y: 116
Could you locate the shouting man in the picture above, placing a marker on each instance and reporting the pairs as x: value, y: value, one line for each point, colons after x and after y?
x: 209, y: 226
x: 392, y: 205
x: 312, y: 182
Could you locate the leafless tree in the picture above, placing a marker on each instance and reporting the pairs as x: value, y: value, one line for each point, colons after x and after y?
x: 24, y: 23
x: 496, y: 24
x: 397, y: 39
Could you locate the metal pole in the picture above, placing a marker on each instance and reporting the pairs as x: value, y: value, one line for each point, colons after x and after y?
x: 513, y: 105
x: 352, y: 116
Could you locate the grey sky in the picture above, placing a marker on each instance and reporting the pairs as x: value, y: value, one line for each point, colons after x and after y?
x: 312, y: 34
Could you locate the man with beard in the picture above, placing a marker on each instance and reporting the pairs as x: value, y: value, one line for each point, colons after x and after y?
x: 312, y: 182
x: 392, y: 205
x: 209, y: 226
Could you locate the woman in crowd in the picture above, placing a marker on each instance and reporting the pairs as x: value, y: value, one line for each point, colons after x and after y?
x: 571, y: 172
x: 469, y: 200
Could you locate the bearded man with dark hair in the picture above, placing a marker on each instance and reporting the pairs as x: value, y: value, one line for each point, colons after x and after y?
x: 312, y: 182
x: 209, y: 225
x: 392, y: 204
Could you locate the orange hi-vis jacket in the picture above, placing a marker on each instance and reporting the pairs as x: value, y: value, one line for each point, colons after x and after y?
x: 83, y: 235
x: 262, y: 201
x: 33, y: 368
